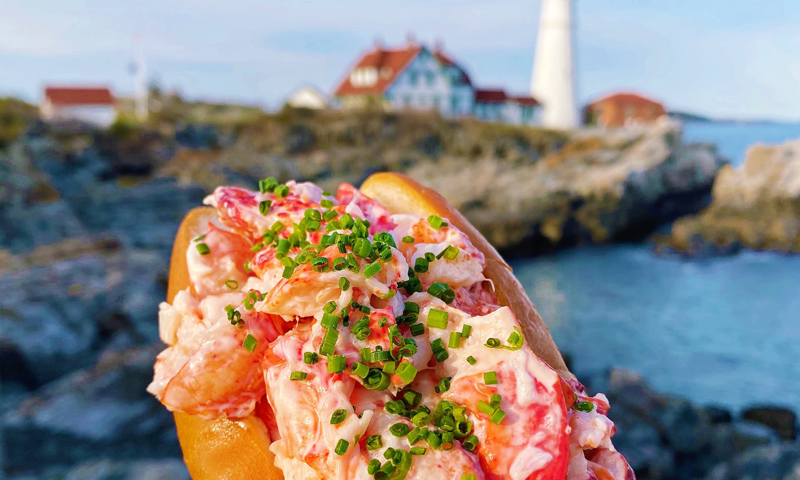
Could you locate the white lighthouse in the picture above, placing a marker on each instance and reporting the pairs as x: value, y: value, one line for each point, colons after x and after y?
x: 553, y: 82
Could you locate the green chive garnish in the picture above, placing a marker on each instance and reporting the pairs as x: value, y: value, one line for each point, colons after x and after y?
x: 374, y: 442
x: 372, y: 269
x: 490, y: 378
x: 203, y: 249
x: 408, y: 239
x: 250, y: 343
x: 471, y: 360
x: 263, y: 207
x: 336, y: 363
x: 310, y: 358
x: 298, y: 376
x: 584, y: 407
x: 232, y: 284
x: 399, y: 429
x: 341, y: 447
x: 338, y: 416
x: 437, y: 318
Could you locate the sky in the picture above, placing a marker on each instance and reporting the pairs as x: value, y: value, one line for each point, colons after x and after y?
x: 724, y: 58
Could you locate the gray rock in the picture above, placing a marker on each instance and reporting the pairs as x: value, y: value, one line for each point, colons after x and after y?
x: 782, y: 420
x: 52, y: 315
x: 774, y: 462
x: 159, y: 469
x: 102, y: 411
x: 146, y: 216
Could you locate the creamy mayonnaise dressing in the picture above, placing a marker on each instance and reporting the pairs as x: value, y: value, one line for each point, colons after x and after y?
x: 351, y: 325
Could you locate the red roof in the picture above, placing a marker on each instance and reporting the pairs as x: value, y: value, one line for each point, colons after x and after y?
x: 490, y: 96
x: 387, y: 63
x: 626, y: 97
x: 79, y: 96
x: 525, y: 100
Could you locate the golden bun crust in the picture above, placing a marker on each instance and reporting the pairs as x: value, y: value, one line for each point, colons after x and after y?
x: 400, y: 194
x: 219, y: 449
x: 224, y: 449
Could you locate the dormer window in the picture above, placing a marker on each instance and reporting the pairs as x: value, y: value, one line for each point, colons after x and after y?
x: 363, y: 77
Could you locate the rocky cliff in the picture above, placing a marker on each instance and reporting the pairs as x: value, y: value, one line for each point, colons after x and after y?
x: 755, y: 206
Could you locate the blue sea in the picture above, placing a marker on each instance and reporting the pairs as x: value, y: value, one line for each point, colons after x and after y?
x: 722, y: 330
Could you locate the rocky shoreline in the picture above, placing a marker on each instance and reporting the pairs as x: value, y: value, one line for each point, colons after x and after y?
x: 756, y: 206
x: 87, y: 227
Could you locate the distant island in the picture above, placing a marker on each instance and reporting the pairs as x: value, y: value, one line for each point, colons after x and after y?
x: 689, y: 117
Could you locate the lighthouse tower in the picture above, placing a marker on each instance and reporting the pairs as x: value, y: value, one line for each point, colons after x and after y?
x: 553, y: 82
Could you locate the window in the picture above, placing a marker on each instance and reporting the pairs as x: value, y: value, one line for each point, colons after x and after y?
x: 431, y: 77
x: 412, y: 78
x: 527, y: 114
x: 454, y: 104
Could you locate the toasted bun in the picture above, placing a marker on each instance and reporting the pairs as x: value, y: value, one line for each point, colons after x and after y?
x: 219, y: 449
x: 223, y: 449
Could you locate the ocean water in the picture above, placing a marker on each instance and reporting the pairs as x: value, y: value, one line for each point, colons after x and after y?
x: 733, y: 139
x: 722, y: 330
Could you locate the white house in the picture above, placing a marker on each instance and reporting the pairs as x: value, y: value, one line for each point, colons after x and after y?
x: 93, y: 105
x: 307, y: 97
x: 419, y: 78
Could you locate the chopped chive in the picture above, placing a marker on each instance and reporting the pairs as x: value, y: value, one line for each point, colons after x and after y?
x: 336, y: 363
x: 339, y: 264
x: 439, y: 352
x: 584, y: 406
x: 493, y: 343
x: 257, y: 247
x: 327, y: 348
x: 497, y: 416
x: 490, y: 378
x: 374, y: 442
x: 366, y: 355
x: 496, y: 400
x: 341, y: 447
x: 287, y: 272
x: 329, y: 307
x: 468, y: 476
x: 263, y: 207
x: 372, y: 269
x: 466, y: 331
x: 486, y: 408
x: 444, y: 384
x: 338, y: 416
x: 421, y: 419
x: 455, y: 340
x: 282, y: 191
x: 298, y: 376
x: 470, y: 443
x: 418, y: 451
x: 203, y: 249
x: 360, y: 369
x: 399, y: 429
x: 310, y: 358
x: 199, y: 238
x: 250, y: 343
x: 325, y: 203
x: 408, y: 239
x: 471, y: 360
x: 412, y: 398
x: 433, y: 439
x: 417, y: 329
x: 232, y: 284
x: 449, y: 253
x: 283, y: 247
x: 389, y: 367
x: 395, y: 407
x: 437, y: 318
x: 344, y: 284
x: 435, y: 221
x: 407, y: 372
x: 320, y: 264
